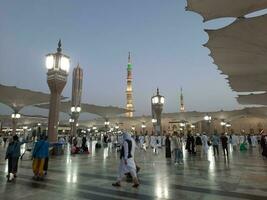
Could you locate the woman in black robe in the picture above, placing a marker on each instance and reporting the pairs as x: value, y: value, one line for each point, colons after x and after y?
x: 168, y: 147
x: 264, y: 145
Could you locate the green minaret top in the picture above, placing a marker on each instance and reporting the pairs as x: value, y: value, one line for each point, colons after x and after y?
x: 129, y: 66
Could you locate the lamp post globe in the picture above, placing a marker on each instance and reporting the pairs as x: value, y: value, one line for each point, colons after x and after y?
x: 15, y: 117
x: 57, y: 65
x: 75, y: 111
x: 157, y: 102
x: 208, y: 119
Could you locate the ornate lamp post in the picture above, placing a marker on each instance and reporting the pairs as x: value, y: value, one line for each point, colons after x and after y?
x: 143, y: 126
x: 77, y: 81
x: 106, y: 123
x: 228, y: 126
x: 223, y: 124
x: 154, y: 121
x: 157, y: 102
x: 75, y: 111
x: 207, y: 118
x: 15, y: 117
x: 58, y: 66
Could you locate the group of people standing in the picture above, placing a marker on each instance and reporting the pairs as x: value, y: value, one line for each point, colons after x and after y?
x: 199, y: 144
x: 40, y: 155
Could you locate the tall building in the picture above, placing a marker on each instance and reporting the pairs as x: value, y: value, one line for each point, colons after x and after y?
x: 129, y: 89
x: 77, y: 84
x: 77, y: 81
x: 182, y: 109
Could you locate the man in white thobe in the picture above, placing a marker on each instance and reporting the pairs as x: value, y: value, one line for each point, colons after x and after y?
x: 234, y: 142
x: 127, y: 163
x: 205, y: 145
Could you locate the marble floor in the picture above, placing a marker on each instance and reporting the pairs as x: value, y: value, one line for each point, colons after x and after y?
x: 242, y: 176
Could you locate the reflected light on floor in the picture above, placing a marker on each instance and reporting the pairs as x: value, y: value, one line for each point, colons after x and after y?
x: 105, y: 153
x: 162, y: 191
x: 6, y: 167
x: 211, y: 160
x: 22, y: 149
x: 93, y: 147
x: 72, y: 177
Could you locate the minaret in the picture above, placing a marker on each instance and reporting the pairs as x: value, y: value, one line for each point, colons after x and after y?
x: 77, y: 82
x: 129, y: 90
x: 182, y: 109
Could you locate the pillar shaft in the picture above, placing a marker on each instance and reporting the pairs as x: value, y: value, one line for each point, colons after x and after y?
x: 14, y: 125
x: 53, y: 116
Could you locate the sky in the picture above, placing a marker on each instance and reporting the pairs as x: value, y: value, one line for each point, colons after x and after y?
x: 166, y: 43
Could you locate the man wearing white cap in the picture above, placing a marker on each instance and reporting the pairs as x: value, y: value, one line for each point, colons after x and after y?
x: 127, y: 164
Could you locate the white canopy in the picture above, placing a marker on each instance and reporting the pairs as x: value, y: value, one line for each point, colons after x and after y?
x: 103, y: 111
x: 211, y: 9
x: 256, y: 99
x: 17, y: 98
x: 190, y: 117
x: 240, y: 51
x: 24, y: 120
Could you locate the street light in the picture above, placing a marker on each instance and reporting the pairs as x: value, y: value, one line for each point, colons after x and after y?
x: 223, y: 123
x: 182, y: 124
x: 58, y: 66
x: 15, y: 117
x: 106, y: 123
x: 154, y: 121
x: 228, y: 125
x: 143, y: 126
x: 157, y: 102
x: 207, y: 118
x: 75, y: 109
x: 58, y: 61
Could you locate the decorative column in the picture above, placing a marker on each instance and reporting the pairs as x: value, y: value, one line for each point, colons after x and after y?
x: 58, y: 67
x: 157, y: 102
x: 77, y: 81
x: 15, y: 117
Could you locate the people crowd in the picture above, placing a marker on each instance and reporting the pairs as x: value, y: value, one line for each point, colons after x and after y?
x: 175, y: 144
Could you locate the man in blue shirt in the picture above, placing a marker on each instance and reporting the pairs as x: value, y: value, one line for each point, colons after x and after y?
x: 40, y: 152
x: 215, y: 140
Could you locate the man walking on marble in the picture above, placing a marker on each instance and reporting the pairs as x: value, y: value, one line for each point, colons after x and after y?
x: 127, y: 163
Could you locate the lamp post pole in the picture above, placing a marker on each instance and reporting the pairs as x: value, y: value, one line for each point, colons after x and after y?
x: 58, y: 66
x: 15, y: 117
x: 223, y: 124
x: 75, y: 111
x: 207, y: 118
x: 157, y: 102
x: 106, y: 123
x: 143, y: 126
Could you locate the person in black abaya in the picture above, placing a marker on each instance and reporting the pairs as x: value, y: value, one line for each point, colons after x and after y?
x: 168, y: 147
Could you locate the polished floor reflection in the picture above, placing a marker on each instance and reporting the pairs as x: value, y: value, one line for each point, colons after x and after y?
x: 242, y: 176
